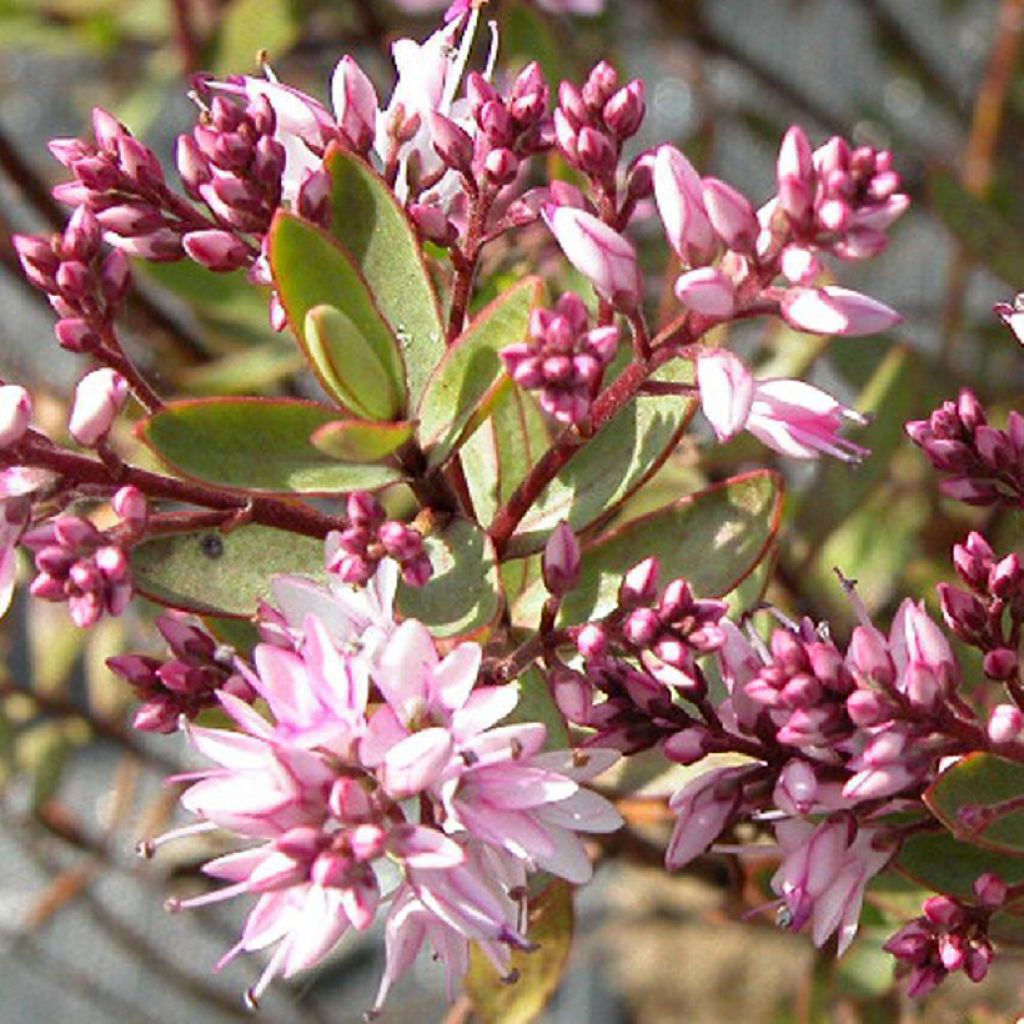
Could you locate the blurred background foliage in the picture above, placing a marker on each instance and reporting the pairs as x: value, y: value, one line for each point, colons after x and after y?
x: 938, y: 81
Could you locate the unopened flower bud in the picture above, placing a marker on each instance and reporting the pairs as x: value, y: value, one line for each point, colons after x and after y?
x: 76, y: 335
x: 132, y: 508
x: 731, y: 215
x: 452, y: 144
x: 990, y: 890
x: 355, y: 103
x: 624, y: 111
x: 1004, y: 724
x: 501, y: 167
x: 561, y: 563
x: 216, y: 249
x: 1000, y: 664
x: 99, y: 397
x: 640, y: 584
x: 15, y: 414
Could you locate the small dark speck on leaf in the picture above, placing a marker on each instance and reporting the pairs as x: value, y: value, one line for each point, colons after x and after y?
x: 212, y: 546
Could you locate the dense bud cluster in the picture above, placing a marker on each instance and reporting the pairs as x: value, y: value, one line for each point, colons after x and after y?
x: 985, y: 464
x: 184, y: 684
x: 79, y: 564
x: 949, y: 936
x: 84, y: 286
x: 564, y: 358
x: 355, y: 552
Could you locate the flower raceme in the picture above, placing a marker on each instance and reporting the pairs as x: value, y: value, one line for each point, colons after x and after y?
x: 423, y: 801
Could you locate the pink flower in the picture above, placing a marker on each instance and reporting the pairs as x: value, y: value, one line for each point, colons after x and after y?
x: 601, y: 254
x: 823, y: 874
x: 679, y: 193
x: 15, y: 414
x: 703, y: 808
x: 835, y: 310
x: 789, y: 416
x: 99, y: 397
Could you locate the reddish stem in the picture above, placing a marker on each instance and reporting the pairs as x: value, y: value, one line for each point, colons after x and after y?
x: 283, y: 514
x: 466, y: 269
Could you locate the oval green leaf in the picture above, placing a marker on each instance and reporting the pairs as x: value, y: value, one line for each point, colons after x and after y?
x: 310, y: 269
x: 367, y: 219
x: 359, y: 441
x: 256, y: 444
x: 343, y: 356
x: 940, y: 862
x: 464, y: 594
x: 982, y: 781
x: 714, y: 539
x: 211, y: 573
x: 551, y: 925
x: 611, y: 466
x: 471, y: 376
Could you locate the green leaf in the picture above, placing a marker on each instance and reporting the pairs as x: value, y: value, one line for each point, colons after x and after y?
x: 988, y: 237
x: 359, y: 441
x: 342, y: 355
x: 256, y: 444
x: 940, y: 862
x: 611, y: 466
x: 373, y: 227
x: 714, y: 539
x: 471, y: 375
x: 498, y: 456
x: 250, y: 26
x: 310, y: 269
x: 983, y: 781
x: 221, y: 574
x: 464, y: 594
x: 539, y: 972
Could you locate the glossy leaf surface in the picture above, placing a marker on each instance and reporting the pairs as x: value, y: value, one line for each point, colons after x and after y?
x: 256, y: 444
x: 311, y: 269
x: 371, y: 225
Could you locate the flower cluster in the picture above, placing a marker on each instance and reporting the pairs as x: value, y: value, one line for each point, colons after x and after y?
x: 419, y: 802
x: 564, y: 358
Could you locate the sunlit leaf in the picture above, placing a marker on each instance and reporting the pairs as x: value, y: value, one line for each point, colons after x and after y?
x: 256, y: 444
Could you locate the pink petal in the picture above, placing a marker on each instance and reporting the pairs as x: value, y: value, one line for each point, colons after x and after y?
x: 416, y: 762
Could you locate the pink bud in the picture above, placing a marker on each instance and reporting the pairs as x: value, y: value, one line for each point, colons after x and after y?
x: 835, y: 310
x: 731, y: 215
x: 561, y: 564
x: 624, y: 111
x: 598, y: 252
x: 15, y: 414
x: 216, y: 250
x: 990, y: 890
x: 99, y: 397
x: 726, y: 391
x: 1004, y: 724
x: 131, y: 506
x: 800, y: 264
x: 679, y: 194
x: 687, y: 746
x: 796, y: 788
x: 795, y: 170
x: 355, y: 103
x: 501, y: 166
x: 704, y: 806
x: 452, y: 143
x: 707, y: 290
x: 76, y: 335
x: 115, y: 277
x: 640, y: 584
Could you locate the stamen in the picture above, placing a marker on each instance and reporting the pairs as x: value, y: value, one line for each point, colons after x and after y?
x: 263, y: 59
x: 492, y: 53
x: 146, y: 848
x: 455, y: 72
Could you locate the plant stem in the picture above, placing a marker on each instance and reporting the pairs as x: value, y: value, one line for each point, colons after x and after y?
x: 281, y: 513
x: 480, y: 208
